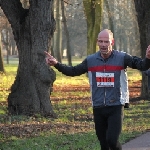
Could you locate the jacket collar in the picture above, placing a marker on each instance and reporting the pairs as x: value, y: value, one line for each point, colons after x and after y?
x: 98, y: 55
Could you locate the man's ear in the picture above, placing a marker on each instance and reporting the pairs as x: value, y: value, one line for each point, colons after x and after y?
x: 97, y: 41
x: 113, y: 42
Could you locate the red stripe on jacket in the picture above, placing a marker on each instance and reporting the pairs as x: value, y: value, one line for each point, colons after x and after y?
x: 106, y: 68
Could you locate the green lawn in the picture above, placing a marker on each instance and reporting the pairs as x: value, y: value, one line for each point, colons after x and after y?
x: 74, y: 128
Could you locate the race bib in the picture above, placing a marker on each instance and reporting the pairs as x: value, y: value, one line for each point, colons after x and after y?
x: 105, y: 79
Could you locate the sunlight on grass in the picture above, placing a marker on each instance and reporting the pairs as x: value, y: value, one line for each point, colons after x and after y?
x: 74, y: 127
x: 134, y: 75
x: 2, y: 112
x: 63, y: 80
x: 5, y: 83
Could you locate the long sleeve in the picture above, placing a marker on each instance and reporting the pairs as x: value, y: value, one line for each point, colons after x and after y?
x: 135, y: 62
x: 72, y: 70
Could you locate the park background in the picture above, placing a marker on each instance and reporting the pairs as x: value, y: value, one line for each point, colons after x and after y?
x: 72, y: 127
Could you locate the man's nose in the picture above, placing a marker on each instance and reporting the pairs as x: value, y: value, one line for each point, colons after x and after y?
x: 103, y: 43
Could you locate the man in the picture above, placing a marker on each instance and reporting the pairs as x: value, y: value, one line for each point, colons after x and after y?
x: 104, y: 70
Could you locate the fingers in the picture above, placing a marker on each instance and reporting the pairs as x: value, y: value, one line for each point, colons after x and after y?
x: 50, y: 59
x: 148, y: 52
x: 148, y: 48
x: 47, y: 54
x: 47, y: 60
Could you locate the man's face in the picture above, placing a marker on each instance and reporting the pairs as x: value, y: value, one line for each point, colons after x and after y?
x: 105, y: 43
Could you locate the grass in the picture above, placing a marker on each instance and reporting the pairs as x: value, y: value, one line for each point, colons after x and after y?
x: 74, y: 128
x: 134, y: 75
x: 57, y: 142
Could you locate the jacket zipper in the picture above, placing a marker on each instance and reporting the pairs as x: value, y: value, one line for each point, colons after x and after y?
x: 104, y: 87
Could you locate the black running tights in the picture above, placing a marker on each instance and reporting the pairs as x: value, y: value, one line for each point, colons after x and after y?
x: 108, y: 125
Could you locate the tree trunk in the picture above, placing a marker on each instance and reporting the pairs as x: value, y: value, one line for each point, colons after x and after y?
x: 57, y: 49
x: 67, y: 34
x: 143, y: 12
x: 1, y: 57
x: 7, y: 44
x: 93, y: 11
x: 111, y: 23
x: 32, y: 31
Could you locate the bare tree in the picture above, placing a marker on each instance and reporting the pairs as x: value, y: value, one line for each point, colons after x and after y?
x: 1, y: 57
x: 2, y: 24
x: 56, y: 43
x: 5, y: 40
x: 143, y: 13
x: 93, y: 11
x: 66, y: 34
x: 119, y: 16
x: 32, y: 29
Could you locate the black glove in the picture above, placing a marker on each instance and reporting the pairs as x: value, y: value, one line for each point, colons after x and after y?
x: 126, y: 105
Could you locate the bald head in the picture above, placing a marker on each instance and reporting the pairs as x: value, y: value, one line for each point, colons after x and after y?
x: 105, y: 42
x: 106, y: 33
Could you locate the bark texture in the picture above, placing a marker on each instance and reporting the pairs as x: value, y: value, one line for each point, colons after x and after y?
x: 93, y: 12
x: 32, y: 29
x: 1, y: 58
x: 143, y: 15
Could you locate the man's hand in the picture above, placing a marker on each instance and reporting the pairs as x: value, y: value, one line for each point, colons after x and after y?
x: 148, y: 52
x: 126, y: 105
x: 50, y: 59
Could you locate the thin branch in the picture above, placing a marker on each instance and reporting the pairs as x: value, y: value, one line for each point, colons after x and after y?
x: 70, y: 3
x: 67, y: 2
x: 13, y: 10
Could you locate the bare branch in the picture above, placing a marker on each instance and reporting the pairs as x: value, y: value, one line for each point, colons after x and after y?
x: 67, y: 2
x: 70, y: 3
x: 14, y: 11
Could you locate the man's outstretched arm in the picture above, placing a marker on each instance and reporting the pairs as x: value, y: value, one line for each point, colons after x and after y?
x: 67, y: 70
